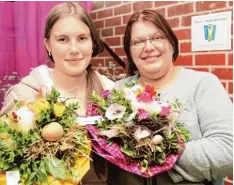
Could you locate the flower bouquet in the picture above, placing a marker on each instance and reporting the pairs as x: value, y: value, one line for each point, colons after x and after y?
x: 42, y: 143
x: 139, y: 132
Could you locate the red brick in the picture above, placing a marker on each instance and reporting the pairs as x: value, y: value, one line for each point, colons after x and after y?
x: 230, y: 3
x: 210, y: 59
x: 113, y: 41
x: 125, y: 59
x: 108, y: 60
x: 230, y: 91
x: 97, y: 61
x: 184, y: 61
x: 206, y: 5
x: 174, y: 22
x: 230, y: 59
x: 137, y: 6
x: 93, y: 15
x: 180, y: 9
x: 223, y: 73
x: 104, y: 13
x: 98, y: 5
x: 224, y: 85
x: 104, y: 54
x: 120, y: 70
x: 229, y: 183
x: 183, y: 34
x: 126, y: 18
x: 107, y: 32
x: 199, y: 69
x: 112, y: 3
x: 231, y: 44
x: 120, y: 51
x: 113, y: 61
x: 186, y: 20
x: 113, y: 21
x: 108, y: 72
x: 163, y: 3
x: 99, y: 24
x: 185, y: 47
x: 161, y: 11
x: 120, y: 30
x: 123, y: 9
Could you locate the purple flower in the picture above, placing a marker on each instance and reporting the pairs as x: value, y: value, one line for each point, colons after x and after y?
x: 92, y: 110
x: 106, y: 94
x: 142, y: 114
x: 165, y: 110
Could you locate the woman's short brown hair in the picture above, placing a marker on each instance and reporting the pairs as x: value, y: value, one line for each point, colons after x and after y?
x: 160, y: 22
x: 76, y: 10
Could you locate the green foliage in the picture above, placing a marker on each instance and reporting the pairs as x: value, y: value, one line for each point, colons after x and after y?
x: 55, y: 167
x: 35, y: 157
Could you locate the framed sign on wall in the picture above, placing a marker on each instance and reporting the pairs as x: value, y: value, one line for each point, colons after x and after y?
x: 211, y: 32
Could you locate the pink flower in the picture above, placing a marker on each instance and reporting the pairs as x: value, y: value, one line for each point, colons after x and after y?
x: 142, y: 114
x: 92, y: 110
x: 106, y: 94
x: 165, y: 110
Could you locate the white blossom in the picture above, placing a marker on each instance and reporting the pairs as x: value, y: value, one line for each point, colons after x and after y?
x: 128, y: 94
x: 115, y: 111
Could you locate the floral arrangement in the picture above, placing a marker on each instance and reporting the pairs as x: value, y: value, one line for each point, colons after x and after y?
x: 139, y: 132
x: 43, y: 138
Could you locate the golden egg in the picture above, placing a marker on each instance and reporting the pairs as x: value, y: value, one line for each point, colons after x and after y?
x: 52, y: 131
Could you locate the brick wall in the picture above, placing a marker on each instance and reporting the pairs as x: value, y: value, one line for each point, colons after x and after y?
x: 110, y: 18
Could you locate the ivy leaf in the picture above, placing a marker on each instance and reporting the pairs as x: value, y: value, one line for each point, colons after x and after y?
x: 127, y: 152
x: 56, y: 167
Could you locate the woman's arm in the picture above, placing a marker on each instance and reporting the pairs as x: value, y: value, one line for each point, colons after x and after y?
x: 212, y: 156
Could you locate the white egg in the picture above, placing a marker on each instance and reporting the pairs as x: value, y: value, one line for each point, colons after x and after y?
x: 157, y: 139
x: 52, y: 131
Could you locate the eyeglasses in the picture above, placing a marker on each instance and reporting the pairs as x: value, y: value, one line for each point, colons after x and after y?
x: 155, y: 40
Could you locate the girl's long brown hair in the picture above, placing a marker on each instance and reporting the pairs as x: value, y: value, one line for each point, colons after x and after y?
x: 93, y: 82
x: 76, y: 10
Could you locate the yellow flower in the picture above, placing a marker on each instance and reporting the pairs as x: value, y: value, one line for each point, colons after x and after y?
x: 41, y: 105
x: 138, y: 92
x: 59, y: 109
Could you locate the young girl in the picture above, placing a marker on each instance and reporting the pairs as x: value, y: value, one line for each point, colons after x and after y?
x: 71, y: 40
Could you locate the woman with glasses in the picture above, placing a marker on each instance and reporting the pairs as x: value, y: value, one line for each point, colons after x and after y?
x: 152, y: 49
x: 71, y: 40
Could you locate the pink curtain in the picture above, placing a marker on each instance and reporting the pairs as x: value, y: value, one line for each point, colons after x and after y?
x: 21, y: 36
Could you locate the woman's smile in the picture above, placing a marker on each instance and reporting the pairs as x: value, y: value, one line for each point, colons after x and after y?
x: 151, y: 58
